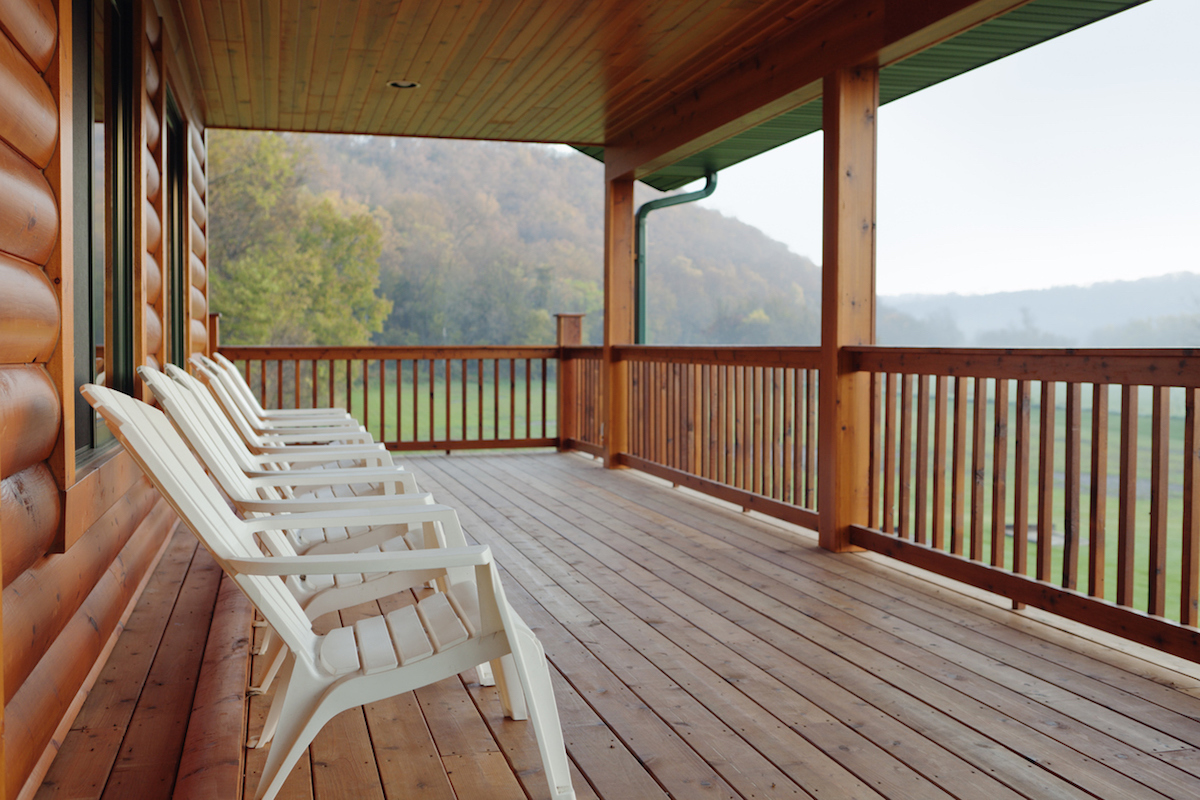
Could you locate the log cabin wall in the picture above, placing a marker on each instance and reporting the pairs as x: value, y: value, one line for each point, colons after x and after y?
x: 76, y: 544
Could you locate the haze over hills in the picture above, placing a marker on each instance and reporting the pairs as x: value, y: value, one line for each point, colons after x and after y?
x: 482, y: 243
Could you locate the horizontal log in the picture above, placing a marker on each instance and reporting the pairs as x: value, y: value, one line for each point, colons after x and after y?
x: 153, y: 278
x: 1138, y: 367
x: 30, y: 413
x: 199, y: 243
x: 42, y: 702
x: 153, y: 229
x: 799, y: 357
x: 199, y: 179
x: 199, y: 272
x: 29, y: 514
x: 199, y: 152
x: 29, y: 315
x: 154, y: 330
x: 199, y: 304
x: 199, y: 210
x: 308, y: 353
x: 582, y: 446
x: 153, y: 76
x: 153, y: 176
x: 199, y: 336
x: 40, y: 602
x: 153, y: 23
x: 30, y: 119
x: 1125, y: 622
x: 32, y: 25
x: 151, y: 123
x: 28, y: 211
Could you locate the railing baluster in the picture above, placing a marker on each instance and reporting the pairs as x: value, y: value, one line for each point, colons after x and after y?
x: 279, y: 383
x: 958, y: 467
x: 313, y: 371
x: 875, y: 451
x: 1189, y: 588
x: 906, y: 387
x: 777, y: 433
x: 1045, y: 528
x: 789, y: 431
x: 999, y: 472
x: 296, y: 386
x: 1160, y: 447
x: 757, y: 460
x: 1127, y: 496
x: 941, y: 385
x: 889, y: 456
x: 545, y: 404
x: 922, y: 498
x: 978, y: 448
x: 1098, y: 496
x: 1072, y: 467
x: 1020, y: 557
x: 810, y: 441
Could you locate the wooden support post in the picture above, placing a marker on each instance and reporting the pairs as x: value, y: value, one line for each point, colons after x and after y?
x: 619, y: 289
x: 851, y: 100
x: 570, y: 334
x: 214, y: 336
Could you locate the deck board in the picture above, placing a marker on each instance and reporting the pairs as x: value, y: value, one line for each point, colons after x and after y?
x: 697, y: 651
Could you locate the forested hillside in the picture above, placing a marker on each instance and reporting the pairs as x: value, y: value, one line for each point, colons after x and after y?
x: 468, y: 243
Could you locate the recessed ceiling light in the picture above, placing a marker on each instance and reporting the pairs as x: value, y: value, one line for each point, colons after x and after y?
x: 403, y: 84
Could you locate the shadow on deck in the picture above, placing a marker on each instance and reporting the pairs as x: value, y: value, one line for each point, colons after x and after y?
x: 697, y: 652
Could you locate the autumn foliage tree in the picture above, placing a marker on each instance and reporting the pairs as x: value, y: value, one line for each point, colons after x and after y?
x: 287, y: 266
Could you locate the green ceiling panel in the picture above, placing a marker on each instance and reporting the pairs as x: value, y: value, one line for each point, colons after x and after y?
x: 1024, y: 27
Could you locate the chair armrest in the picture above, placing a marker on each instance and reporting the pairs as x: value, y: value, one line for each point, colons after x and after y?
x: 334, y: 504
x: 352, y: 563
x: 310, y: 436
x: 326, y: 477
x: 354, y: 517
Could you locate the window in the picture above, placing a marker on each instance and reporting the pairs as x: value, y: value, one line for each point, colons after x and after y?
x: 103, y: 206
x: 176, y: 285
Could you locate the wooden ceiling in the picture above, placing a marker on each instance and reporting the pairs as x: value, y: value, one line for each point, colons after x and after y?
x: 655, y: 83
x: 573, y: 71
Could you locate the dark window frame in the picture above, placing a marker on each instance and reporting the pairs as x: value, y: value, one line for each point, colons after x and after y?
x: 107, y: 292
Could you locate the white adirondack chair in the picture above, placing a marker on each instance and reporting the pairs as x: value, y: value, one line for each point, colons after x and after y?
x: 378, y: 657
x: 238, y: 384
x: 279, y: 447
x: 271, y: 492
x: 227, y: 392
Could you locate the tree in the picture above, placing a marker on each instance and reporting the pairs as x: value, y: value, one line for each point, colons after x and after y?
x: 287, y: 267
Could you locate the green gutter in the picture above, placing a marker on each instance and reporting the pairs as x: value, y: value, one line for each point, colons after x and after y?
x: 710, y: 186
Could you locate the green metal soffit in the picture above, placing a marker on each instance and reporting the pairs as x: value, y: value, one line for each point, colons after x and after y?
x: 1031, y: 24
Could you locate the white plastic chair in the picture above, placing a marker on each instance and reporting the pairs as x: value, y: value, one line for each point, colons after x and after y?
x: 227, y: 392
x: 281, y: 447
x: 271, y: 492
x: 238, y: 385
x: 379, y: 656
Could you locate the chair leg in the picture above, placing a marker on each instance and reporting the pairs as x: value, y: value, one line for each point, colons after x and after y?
x: 530, y: 663
x: 485, y: 675
x: 301, y: 717
x: 275, y: 655
x: 508, y: 683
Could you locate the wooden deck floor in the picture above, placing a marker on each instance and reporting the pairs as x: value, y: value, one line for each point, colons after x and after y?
x: 697, y: 652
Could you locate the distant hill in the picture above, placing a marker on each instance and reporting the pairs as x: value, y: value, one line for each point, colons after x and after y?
x: 1160, y: 311
x: 483, y: 242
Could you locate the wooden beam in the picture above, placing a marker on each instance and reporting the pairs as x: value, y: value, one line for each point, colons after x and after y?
x: 847, y: 301
x: 619, y: 287
x: 570, y: 334
x: 788, y: 73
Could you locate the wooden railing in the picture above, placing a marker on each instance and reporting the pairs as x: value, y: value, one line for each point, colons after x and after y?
x: 417, y: 398
x: 739, y: 423
x: 581, y: 427
x: 1061, y: 479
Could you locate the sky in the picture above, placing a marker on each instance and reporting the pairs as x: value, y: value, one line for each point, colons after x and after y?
x: 1073, y: 162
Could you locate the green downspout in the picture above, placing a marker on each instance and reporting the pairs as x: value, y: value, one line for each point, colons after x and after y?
x: 710, y: 186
